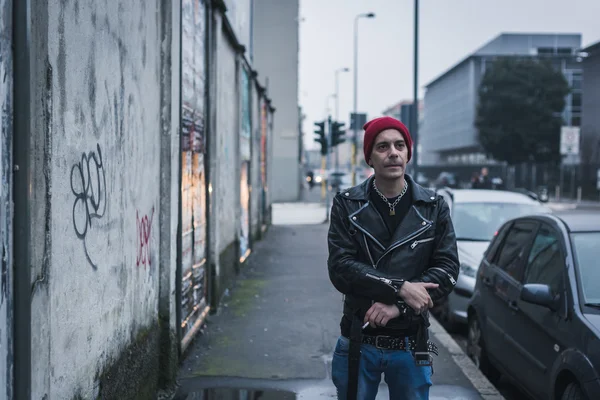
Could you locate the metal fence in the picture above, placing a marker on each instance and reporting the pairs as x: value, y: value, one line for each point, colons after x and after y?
x: 562, y: 181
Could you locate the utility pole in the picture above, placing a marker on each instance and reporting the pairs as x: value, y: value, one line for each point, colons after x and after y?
x: 328, y: 166
x: 355, y: 105
x: 415, y: 113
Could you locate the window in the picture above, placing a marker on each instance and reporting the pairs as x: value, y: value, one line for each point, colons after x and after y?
x: 588, y: 263
x: 576, y: 100
x: 511, y: 255
x: 496, y: 242
x: 546, y: 264
x: 479, y: 221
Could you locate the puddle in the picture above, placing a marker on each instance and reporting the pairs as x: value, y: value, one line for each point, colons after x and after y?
x: 239, y: 394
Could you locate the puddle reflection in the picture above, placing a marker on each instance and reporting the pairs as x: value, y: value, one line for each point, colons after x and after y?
x: 240, y: 394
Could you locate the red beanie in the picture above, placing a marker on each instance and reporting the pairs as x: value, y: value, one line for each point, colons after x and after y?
x: 378, y: 125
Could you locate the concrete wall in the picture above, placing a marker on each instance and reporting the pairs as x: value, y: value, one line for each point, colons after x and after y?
x: 6, y: 281
x: 226, y: 179
x: 276, y: 45
x: 256, y: 194
x: 105, y: 164
x: 96, y: 287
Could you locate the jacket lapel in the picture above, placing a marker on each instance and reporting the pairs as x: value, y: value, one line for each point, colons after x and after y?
x: 369, y: 221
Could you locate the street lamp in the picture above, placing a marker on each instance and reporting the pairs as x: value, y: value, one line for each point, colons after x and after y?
x: 355, y: 136
x: 327, y: 109
x: 337, y: 109
x: 415, y: 113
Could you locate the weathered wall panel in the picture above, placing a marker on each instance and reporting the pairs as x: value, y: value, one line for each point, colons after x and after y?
x: 102, y: 277
x: 255, y: 166
x: 6, y: 215
x: 226, y: 201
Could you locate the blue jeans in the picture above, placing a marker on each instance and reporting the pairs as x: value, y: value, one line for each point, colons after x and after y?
x: 405, y: 380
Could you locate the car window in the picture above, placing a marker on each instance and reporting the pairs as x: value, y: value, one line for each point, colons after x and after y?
x: 545, y: 263
x: 510, y: 257
x: 585, y: 246
x: 497, y: 241
x: 479, y: 221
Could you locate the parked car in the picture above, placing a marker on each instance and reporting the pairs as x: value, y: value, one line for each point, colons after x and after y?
x: 535, y: 313
x: 476, y: 215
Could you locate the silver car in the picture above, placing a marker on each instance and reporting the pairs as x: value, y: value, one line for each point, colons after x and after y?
x: 476, y: 215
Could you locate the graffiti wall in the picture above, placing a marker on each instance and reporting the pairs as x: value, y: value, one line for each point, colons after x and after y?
x: 95, y: 289
x: 6, y: 134
x: 245, y: 152
x: 193, y: 147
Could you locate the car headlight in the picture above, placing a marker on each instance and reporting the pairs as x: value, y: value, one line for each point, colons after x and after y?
x: 467, y: 270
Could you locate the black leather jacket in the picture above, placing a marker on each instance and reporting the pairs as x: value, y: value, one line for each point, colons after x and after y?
x: 423, y: 249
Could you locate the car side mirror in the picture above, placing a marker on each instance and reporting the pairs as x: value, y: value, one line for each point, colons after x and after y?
x: 541, y: 295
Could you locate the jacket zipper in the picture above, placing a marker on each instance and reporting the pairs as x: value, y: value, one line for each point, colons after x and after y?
x: 380, y: 279
x: 398, y: 244
x: 417, y: 242
x: 452, y: 280
x: 369, y: 251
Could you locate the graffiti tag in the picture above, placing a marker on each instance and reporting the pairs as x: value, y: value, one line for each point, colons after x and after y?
x: 88, y: 184
x: 144, y: 228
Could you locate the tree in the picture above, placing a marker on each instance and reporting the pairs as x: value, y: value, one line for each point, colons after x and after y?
x: 519, y: 112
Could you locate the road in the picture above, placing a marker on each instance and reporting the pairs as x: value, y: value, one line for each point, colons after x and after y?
x: 504, y: 386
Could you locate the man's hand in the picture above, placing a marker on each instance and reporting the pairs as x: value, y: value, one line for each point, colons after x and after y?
x: 415, y: 295
x: 380, y: 314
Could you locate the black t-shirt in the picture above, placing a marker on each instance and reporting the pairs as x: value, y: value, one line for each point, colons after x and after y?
x: 392, y: 222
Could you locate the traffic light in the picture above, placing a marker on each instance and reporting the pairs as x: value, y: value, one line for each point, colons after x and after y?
x: 321, y: 138
x: 337, y: 133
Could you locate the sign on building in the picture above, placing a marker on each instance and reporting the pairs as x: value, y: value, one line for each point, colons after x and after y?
x: 569, y: 140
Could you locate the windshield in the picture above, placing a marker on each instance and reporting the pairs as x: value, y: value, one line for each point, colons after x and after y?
x: 479, y: 221
x: 585, y: 246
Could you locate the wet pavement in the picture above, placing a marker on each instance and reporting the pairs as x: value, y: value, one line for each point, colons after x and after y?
x: 278, y: 324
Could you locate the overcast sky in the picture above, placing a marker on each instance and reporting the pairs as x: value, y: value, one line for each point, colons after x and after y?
x: 449, y: 30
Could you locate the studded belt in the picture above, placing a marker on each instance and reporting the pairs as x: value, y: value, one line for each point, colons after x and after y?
x: 396, y: 343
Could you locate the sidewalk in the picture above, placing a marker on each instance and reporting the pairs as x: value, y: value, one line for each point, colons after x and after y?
x: 279, y: 325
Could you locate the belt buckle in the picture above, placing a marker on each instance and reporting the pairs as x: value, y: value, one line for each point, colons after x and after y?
x: 377, y: 342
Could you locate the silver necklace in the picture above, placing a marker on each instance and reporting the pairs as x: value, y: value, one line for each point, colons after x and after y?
x: 392, y: 206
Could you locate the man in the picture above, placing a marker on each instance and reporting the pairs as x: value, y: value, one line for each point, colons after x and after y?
x: 393, y: 254
x: 484, y: 181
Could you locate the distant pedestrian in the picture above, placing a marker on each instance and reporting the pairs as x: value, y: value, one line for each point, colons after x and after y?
x: 393, y: 254
x: 484, y: 181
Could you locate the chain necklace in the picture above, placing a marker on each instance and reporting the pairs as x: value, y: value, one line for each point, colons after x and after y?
x: 392, y: 206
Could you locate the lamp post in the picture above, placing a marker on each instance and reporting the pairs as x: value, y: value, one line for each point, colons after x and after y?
x: 337, y: 109
x: 355, y: 136
x: 415, y: 113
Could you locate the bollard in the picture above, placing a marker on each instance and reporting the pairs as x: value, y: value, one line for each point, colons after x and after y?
x: 557, y: 193
x: 579, y: 194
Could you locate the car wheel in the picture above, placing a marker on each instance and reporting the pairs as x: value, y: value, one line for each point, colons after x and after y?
x: 477, y: 352
x: 573, y: 392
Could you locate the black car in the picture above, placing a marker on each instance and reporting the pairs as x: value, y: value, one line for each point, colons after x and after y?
x: 535, y: 312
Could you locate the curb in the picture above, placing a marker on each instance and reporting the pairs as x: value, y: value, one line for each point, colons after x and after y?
x: 485, y: 388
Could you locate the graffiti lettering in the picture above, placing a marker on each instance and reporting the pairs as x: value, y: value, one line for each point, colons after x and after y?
x: 144, y: 228
x: 88, y: 184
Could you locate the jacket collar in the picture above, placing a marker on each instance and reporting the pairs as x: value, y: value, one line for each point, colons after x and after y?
x: 361, y: 191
